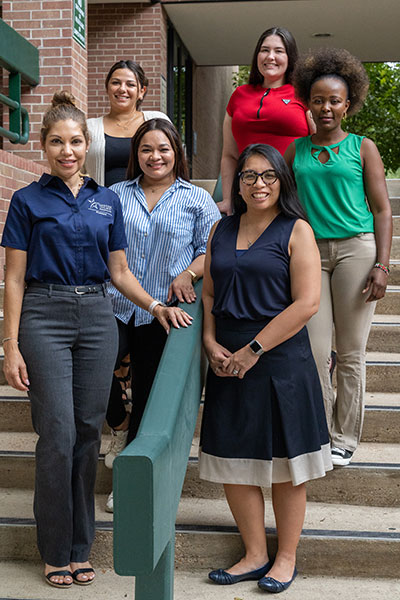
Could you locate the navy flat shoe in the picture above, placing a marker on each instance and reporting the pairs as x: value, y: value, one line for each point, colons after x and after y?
x: 273, y: 586
x: 223, y: 578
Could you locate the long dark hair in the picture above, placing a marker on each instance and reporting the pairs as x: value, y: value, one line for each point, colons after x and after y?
x: 180, y: 168
x: 255, y: 77
x: 138, y: 72
x: 288, y: 202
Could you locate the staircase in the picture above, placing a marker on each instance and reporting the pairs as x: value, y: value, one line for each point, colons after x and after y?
x: 350, y: 545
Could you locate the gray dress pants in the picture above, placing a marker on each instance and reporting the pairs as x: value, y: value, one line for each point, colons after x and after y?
x: 69, y: 343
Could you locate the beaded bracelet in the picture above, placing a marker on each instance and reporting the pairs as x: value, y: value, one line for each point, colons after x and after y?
x: 382, y: 267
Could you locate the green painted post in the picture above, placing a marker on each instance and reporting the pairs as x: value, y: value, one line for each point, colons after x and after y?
x: 159, y: 585
x: 148, y: 475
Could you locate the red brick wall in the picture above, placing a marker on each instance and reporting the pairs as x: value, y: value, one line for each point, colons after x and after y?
x: 15, y: 173
x: 125, y: 31
x: 63, y: 63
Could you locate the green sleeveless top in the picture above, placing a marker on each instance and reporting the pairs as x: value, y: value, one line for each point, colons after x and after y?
x: 333, y: 194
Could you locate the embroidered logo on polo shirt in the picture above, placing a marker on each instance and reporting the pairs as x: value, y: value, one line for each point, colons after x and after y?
x: 285, y: 101
x: 100, y: 209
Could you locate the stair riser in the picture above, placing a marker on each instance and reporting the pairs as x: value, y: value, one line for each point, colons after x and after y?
x: 396, y: 225
x: 389, y: 305
x: 395, y: 251
x: 384, y: 338
x: 395, y: 203
x: 394, y: 276
x: 315, y: 555
x: 16, y: 416
x: 19, y: 472
x: 354, y: 485
x: 381, y: 426
x: 379, y: 378
x: 383, y: 378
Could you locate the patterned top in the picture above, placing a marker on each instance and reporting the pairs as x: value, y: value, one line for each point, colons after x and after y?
x: 164, y: 242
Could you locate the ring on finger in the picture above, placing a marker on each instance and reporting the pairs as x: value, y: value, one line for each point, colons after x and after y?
x: 235, y: 371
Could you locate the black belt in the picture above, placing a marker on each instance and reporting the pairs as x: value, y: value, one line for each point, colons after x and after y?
x: 80, y: 290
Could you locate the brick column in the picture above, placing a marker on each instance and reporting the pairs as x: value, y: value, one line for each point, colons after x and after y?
x: 135, y: 31
x: 63, y: 62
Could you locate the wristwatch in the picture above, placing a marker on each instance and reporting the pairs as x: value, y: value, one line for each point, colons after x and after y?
x: 256, y: 347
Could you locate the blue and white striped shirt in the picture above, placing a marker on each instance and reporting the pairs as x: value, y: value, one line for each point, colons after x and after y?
x: 164, y: 242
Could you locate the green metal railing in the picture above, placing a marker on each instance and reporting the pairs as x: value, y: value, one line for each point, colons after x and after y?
x: 21, y: 59
x: 149, y: 473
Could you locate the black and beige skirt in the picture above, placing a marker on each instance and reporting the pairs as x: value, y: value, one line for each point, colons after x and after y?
x: 270, y: 426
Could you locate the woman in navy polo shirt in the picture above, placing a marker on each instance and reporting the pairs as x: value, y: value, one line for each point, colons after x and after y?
x: 64, y: 238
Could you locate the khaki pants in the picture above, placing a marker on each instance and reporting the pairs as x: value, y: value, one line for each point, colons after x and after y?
x: 345, y: 265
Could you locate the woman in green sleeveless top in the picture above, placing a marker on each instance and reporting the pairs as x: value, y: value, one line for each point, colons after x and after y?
x: 341, y: 184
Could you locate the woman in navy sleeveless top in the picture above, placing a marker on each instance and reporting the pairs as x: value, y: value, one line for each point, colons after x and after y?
x: 264, y: 421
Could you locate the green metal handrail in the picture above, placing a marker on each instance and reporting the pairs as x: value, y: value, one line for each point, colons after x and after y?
x: 148, y: 475
x: 21, y: 59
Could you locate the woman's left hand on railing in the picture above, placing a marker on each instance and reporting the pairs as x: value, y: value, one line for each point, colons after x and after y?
x: 172, y: 314
x: 182, y: 288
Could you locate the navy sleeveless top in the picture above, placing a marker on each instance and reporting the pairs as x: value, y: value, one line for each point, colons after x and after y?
x: 255, y: 284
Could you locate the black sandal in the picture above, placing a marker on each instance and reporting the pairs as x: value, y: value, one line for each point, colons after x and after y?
x: 61, y: 573
x: 79, y: 572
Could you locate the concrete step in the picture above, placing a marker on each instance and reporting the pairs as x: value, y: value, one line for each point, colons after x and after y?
x: 385, y: 334
x: 383, y: 372
x: 395, y: 251
x: 395, y: 204
x: 393, y: 186
x: 390, y: 304
x: 373, y: 478
x: 15, y: 411
x: 206, y: 535
x: 394, y: 276
x: 24, y: 580
x: 396, y: 224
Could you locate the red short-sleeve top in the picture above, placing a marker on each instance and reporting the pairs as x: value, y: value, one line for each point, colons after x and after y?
x: 266, y: 116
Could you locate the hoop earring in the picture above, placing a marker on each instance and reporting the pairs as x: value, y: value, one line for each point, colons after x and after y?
x: 344, y: 116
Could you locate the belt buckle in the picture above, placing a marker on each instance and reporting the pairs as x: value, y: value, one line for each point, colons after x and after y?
x: 77, y: 291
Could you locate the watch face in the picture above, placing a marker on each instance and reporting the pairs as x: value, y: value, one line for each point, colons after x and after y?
x: 256, y: 347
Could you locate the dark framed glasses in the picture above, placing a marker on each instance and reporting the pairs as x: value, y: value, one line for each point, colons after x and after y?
x: 250, y: 177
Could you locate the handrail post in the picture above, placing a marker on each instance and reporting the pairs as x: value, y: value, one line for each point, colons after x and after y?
x: 15, y: 81
x: 160, y: 583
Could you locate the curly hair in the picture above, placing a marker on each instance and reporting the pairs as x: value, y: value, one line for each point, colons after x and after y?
x: 332, y: 62
x: 63, y: 107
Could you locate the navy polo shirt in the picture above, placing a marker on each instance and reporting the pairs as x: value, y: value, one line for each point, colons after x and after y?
x: 67, y: 239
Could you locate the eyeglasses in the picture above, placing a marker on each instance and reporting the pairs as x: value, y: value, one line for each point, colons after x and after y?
x: 250, y: 177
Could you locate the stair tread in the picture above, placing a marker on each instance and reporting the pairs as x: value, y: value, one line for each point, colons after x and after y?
x: 384, y: 357
x: 214, y: 512
x: 22, y: 579
x: 386, y: 319
x: 382, y: 399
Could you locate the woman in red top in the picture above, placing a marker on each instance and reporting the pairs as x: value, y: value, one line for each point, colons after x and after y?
x: 265, y: 110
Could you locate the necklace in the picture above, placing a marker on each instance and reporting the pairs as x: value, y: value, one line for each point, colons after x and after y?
x: 126, y: 124
x: 80, y: 184
x: 265, y: 225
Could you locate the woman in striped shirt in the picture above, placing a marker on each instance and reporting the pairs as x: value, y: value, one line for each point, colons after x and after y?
x: 167, y: 223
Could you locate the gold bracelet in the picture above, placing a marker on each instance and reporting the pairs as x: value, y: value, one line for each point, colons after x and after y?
x: 192, y: 274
